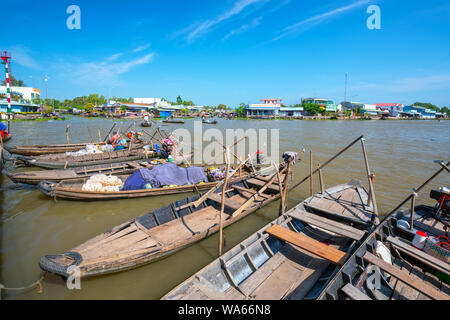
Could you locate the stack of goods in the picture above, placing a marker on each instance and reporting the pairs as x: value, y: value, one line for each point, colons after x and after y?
x: 90, y: 149
x: 217, y: 174
x: 166, y: 175
x: 102, y: 183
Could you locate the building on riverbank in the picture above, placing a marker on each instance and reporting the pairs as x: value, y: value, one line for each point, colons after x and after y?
x: 24, y: 93
x: 390, y: 109
x: 18, y: 106
x: 419, y: 112
x: 269, y: 108
x: 328, y: 104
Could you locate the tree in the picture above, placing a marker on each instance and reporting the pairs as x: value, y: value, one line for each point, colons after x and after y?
x: 313, y: 108
x: 88, y: 107
x: 179, y: 100
x: 240, y: 111
x: 427, y: 105
x: 13, y: 82
x: 446, y: 111
x: 222, y: 107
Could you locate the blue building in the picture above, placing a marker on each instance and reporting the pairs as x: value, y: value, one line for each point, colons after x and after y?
x: 18, y: 106
x: 419, y: 112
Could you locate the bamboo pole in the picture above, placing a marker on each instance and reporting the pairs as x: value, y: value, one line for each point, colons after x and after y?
x: 322, y: 189
x: 222, y: 206
x: 2, y: 149
x: 371, y: 188
x: 280, y: 187
x: 67, y: 133
x: 109, y: 131
x: 99, y: 135
x: 328, y: 161
x: 90, y: 133
x: 413, y: 203
x: 310, y: 173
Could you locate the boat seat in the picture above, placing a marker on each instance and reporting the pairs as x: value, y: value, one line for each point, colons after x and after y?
x: 404, y: 277
x: 261, y: 183
x: 327, y: 224
x: 424, y: 257
x: 228, y: 202
x: 313, y: 246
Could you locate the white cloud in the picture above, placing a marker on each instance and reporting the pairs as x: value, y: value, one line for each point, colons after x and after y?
x: 196, y: 31
x: 253, y: 24
x: 318, y: 19
x: 141, y: 48
x: 104, y: 72
x: 409, y: 84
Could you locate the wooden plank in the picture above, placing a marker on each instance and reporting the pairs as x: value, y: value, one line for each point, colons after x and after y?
x: 353, y: 293
x: 260, y: 183
x: 228, y: 202
x: 338, y: 215
x: 327, y: 224
x: 322, y: 250
x: 420, y: 255
x: 419, y: 285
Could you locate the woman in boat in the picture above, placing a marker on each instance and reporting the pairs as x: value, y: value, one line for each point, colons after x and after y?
x: 115, y: 138
x: 3, y: 131
x: 168, y: 146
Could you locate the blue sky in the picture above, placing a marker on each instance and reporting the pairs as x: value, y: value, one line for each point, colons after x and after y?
x: 233, y: 51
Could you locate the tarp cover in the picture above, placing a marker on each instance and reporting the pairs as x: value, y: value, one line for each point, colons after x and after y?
x: 164, y: 175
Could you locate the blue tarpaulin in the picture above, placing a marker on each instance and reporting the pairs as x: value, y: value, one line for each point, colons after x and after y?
x: 164, y: 175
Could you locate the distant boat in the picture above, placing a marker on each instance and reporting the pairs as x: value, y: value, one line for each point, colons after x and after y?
x: 173, y: 121
x: 209, y: 121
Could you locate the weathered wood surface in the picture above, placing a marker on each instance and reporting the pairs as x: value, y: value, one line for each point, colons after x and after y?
x: 322, y: 250
x: 403, y: 276
x: 353, y: 293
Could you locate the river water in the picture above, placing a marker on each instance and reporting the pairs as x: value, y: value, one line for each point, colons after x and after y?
x: 401, y: 155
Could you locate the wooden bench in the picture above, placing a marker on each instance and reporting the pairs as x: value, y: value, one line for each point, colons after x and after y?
x: 404, y: 277
x: 261, y: 183
x: 322, y: 250
x: 424, y: 257
x: 228, y: 202
x: 353, y: 293
x: 327, y: 224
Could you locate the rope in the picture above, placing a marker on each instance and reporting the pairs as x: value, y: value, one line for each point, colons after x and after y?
x: 37, y: 284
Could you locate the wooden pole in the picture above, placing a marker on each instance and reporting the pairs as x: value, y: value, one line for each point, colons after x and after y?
x: 413, y: 203
x: 222, y: 206
x: 99, y: 135
x: 328, y: 161
x: 2, y: 150
x: 280, y: 186
x: 90, y: 133
x: 67, y: 133
x: 371, y: 188
x: 110, y: 130
x: 310, y: 173
x: 322, y: 190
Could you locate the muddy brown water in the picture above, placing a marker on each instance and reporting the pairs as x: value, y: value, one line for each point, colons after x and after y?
x: 401, y: 155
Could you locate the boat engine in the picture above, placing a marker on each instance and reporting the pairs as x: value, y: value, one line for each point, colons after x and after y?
x: 443, y: 198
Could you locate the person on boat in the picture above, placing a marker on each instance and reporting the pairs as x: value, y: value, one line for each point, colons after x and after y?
x: 3, y: 131
x: 121, y: 145
x: 115, y: 138
x: 168, y: 146
x: 146, y: 118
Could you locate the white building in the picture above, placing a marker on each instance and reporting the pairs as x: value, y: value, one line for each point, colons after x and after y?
x: 27, y: 93
x: 155, y: 102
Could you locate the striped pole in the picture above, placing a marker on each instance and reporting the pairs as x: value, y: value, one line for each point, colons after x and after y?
x: 6, y: 59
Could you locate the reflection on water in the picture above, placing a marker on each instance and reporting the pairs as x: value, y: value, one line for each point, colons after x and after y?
x: 401, y: 155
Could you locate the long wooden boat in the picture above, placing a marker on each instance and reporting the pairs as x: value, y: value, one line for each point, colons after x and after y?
x: 34, y: 177
x: 73, y: 189
x: 163, y: 231
x: 47, y: 149
x: 387, y: 266
x: 146, y: 124
x: 58, y: 161
x: 173, y: 121
x: 290, y: 258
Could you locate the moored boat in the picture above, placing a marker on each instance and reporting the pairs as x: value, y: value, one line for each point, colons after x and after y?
x: 58, y: 161
x: 166, y: 230
x: 292, y: 257
x: 173, y: 121
x: 407, y: 257
x: 47, y: 149
x: 146, y: 124
x: 57, y: 175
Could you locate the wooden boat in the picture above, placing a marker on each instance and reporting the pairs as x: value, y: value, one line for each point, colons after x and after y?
x: 73, y: 190
x: 47, y: 149
x: 164, y: 231
x: 210, y: 121
x: 173, y: 121
x: 34, y: 177
x: 146, y: 124
x: 290, y: 258
x: 387, y: 267
x: 58, y: 161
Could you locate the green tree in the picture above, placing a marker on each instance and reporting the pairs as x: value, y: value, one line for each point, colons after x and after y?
x: 179, y: 100
x: 313, y: 108
x: 427, y: 105
x: 88, y: 107
x: 14, y: 82
x: 240, y: 111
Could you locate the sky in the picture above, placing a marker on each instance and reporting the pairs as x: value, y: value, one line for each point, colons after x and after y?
x: 233, y: 51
